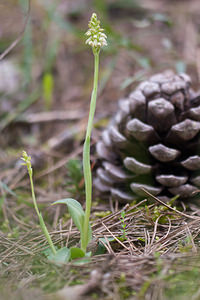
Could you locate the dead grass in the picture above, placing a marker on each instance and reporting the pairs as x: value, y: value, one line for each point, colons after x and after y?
x: 140, y: 265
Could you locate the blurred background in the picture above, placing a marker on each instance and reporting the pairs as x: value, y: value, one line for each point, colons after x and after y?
x: 46, y: 80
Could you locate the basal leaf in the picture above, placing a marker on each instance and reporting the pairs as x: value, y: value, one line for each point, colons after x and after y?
x: 77, y: 253
x: 63, y: 255
x: 77, y: 214
x: 76, y: 211
x: 82, y: 261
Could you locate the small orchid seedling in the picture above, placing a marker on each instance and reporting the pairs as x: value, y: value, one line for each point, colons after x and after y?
x: 96, y: 39
x: 61, y: 255
x: 27, y: 163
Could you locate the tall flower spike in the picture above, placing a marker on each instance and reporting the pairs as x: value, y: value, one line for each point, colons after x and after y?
x: 96, y: 37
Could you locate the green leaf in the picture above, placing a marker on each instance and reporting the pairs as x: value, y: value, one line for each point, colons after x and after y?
x: 82, y: 261
x: 63, y: 255
x: 77, y: 214
x: 101, y: 249
x: 77, y: 253
x: 76, y: 211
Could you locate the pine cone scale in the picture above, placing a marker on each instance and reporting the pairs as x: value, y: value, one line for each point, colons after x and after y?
x: 171, y: 180
x: 137, y: 167
x: 192, y: 163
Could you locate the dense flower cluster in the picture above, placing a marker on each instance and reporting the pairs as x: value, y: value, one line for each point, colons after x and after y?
x: 27, y: 161
x: 97, y: 38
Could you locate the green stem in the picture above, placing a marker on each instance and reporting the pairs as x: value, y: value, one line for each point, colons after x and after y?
x: 33, y: 195
x: 86, y: 155
x: 42, y: 224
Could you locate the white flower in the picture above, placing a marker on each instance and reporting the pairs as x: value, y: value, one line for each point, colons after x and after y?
x: 88, y: 32
x: 97, y: 38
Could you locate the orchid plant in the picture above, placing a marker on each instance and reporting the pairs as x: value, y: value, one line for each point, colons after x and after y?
x: 96, y: 38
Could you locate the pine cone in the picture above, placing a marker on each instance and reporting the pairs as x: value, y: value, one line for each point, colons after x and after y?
x: 152, y: 142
